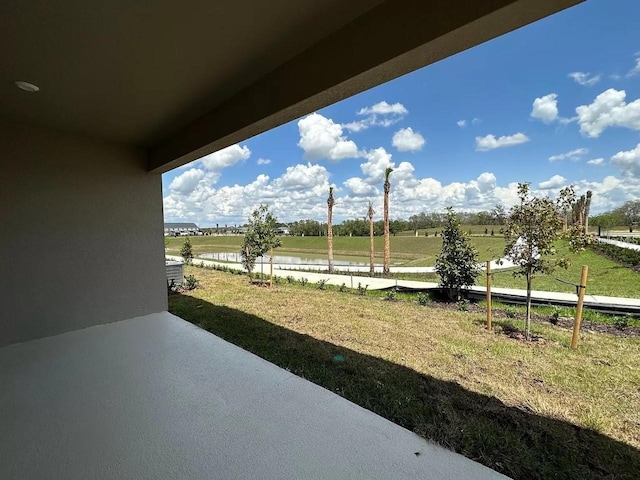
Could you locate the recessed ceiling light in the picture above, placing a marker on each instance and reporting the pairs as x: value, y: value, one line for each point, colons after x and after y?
x: 26, y: 86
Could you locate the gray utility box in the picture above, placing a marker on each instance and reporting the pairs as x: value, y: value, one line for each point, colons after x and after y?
x: 175, y: 272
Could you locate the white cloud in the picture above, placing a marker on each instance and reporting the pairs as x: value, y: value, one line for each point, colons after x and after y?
x: 545, y: 108
x: 303, y: 176
x: 187, y: 181
x: 384, y: 108
x: 263, y: 161
x: 628, y: 162
x: 406, y: 140
x: 381, y: 114
x: 596, y: 161
x: 359, y: 188
x: 609, y: 109
x: 636, y: 69
x: 461, y: 123
x: 490, y: 141
x: 486, y: 181
x: 573, y: 155
x: 585, y: 79
x: 378, y: 160
x: 320, y: 138
x: 226, y: 157
x: 556, y: 181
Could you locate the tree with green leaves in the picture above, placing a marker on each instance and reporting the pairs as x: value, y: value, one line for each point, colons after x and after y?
x: 260, y: 238
x: 457, y: 263
x: 533, y: 226
x: 187, y: 251
x: 386, y: 264
x: 330, y: 203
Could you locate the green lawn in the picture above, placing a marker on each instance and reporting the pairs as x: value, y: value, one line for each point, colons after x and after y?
x: 405, y: 250
x: 605, y: 277
x: 534, y: 410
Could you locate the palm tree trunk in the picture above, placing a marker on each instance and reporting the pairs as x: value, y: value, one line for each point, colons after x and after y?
x: 330, y: 203
x: 371, y: 247
x: 527, y: 325
x: 386, y: 266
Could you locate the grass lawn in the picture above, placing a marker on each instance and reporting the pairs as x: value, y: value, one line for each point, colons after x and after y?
x: 405, y: 250
x: 534, y: 410
x: 605, y: 277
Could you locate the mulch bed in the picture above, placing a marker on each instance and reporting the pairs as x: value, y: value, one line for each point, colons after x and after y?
x: 563, y: 322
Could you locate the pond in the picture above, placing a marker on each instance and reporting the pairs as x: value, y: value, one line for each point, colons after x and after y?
x: 285, y: 259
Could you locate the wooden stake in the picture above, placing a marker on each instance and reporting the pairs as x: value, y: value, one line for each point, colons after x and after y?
x: 489, y: 295
x: 271, y: 266
x: 578, y: 320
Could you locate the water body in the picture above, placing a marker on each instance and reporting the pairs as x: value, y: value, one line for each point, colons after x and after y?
x: 284, y: 260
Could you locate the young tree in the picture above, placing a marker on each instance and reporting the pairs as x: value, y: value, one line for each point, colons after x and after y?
x: 261, y: 237
x: 533, y: 226
x: 566, y: 201
x: 386, y: 265
x: 370, y: 213
x: 330, y: 204
x: 187, y: 251
x: 457, y: 263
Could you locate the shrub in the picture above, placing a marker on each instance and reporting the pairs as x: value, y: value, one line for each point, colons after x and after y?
x: 342, y: 287
x: 424, y: 298
x: 290, y: 279
x: 304, y: 281
x: 171, y: 287
x: 510, y: 312
x: 390, y: 296
x: 621, y: 255
x: 191, y: 282
x: 321, y: 283
x: 186, y: 252
x: 457, y: 263
x: 362, y: 290
x: 463, y: 305
x: 622, y: 322
x: 555, y: 316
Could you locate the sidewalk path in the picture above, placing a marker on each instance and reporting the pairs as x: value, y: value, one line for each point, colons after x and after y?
x: 618, y: 243
x: 631, y: 305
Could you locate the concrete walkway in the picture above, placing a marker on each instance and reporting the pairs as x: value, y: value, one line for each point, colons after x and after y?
x: 600, y: 302
x: 618, y: 243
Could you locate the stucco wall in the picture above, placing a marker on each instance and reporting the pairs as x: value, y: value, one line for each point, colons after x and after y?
x: 81, y: 234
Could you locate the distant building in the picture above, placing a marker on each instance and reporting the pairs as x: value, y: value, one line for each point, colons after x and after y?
x: 177, y: 229
x: 283, y: 231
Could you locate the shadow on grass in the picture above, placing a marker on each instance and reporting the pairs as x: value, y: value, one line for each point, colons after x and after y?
x: 517, y: 443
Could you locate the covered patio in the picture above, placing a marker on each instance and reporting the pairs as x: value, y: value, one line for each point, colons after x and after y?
x: 99, y: 381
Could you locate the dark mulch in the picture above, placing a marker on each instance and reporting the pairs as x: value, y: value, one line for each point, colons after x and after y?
x: 562, y: 322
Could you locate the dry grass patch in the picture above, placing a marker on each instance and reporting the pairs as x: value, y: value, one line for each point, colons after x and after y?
x: 530, y: 410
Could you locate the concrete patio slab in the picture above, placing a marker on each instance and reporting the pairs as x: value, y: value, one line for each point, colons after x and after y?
x: 156, y: 397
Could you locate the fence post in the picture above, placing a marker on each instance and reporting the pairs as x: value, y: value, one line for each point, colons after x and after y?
x: 271, y: 266
x: 578, y: 320
x: 489, y: 295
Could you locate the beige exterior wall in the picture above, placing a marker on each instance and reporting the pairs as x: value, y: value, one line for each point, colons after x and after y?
x: 81, y: 234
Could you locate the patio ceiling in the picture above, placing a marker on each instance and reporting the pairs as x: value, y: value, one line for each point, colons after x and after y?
x: 184, y: 79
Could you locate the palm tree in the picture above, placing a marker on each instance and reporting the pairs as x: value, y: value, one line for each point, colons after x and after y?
x: 330, y: 204
x: 370, y: 213
x: 386, y: 265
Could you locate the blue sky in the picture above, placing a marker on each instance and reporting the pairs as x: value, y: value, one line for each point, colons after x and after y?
x: 554, y: 103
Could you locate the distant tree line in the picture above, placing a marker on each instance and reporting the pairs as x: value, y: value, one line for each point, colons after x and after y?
x: 628, y: 214
x: 359, y: 227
